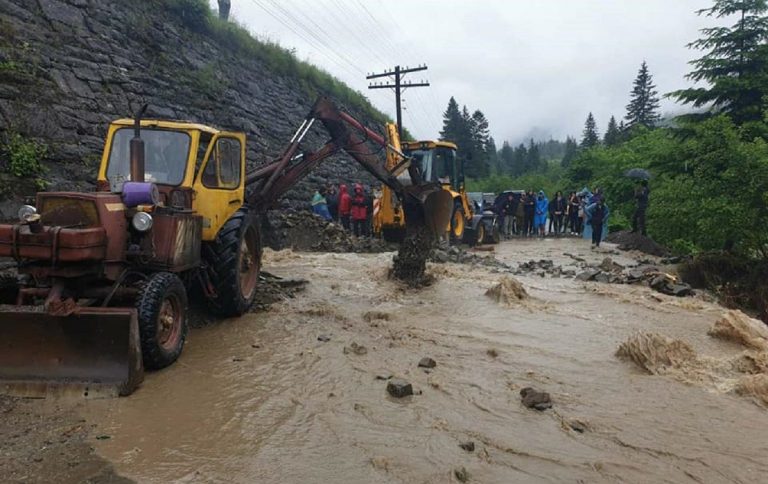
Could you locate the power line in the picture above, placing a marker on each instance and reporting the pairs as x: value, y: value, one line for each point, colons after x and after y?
x: 398, y: 85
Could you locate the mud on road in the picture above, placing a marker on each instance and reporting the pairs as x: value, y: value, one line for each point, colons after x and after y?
x: 298, y: 393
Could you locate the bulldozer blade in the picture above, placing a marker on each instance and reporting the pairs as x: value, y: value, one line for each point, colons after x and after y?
x: 94, y: 352
x: 428, y: 206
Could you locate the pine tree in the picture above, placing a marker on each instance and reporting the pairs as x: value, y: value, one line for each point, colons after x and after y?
x: 493, y: 156
x: 452, y: 122
x: 612, y: 134
x: 735, y: 66
x: 590, y: 138
x: 506, y: 158
x: 518, y: 160
x: 480, y: 150
x: 643, y: 107
x: 571, y: 150
x: 533, y: 160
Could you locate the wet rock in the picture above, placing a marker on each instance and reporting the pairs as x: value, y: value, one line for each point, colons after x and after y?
x: 535, y: 399
x: 492, y: 353
x: 324, y: 338
x: 383, y: 377
x: 399, y: 388
x: 608, y: 265
x: 603, y: 278
x: 461, y: 474
x: 670, y: 286
x: 427, y: 362
x: 469, y: 446
x: 355, y: 349
x: 588, y: 275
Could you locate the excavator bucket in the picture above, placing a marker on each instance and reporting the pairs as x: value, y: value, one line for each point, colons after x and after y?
x: 428, y: 206
x: 94, y: 352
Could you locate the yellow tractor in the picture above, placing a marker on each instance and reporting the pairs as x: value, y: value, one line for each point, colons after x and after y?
x: 103, y: 277
x: 437, y: 163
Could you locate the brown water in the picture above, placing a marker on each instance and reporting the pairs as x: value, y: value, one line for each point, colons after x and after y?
x: 260, y: 399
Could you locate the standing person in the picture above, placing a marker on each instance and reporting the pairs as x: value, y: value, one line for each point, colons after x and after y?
x: 345, y: 206
x: 333, y: 202
x: 551, y: 213
x: 642, y: 193
x: 359, y: 212
x: 519, y: 213
x: 529, y: 211
x: 597, y: 214
x: 498, y: 209
x: 542, y: 212
x: 509, y: 216
x: 320, y: 204
x: 573, y: 213
x: 559, y: 207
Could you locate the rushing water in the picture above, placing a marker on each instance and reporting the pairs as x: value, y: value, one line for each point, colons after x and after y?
x: 260, y: 399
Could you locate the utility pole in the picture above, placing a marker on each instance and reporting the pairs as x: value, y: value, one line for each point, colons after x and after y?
x: 399, y: 87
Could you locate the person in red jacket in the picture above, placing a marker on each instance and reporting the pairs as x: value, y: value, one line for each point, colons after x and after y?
x: 345, y: 206
x: 359, y: 212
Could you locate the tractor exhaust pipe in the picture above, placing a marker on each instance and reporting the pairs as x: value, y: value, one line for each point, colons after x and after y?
x: 137, y: 148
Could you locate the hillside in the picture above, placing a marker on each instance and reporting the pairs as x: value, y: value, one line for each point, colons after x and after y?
x: 69, y: 67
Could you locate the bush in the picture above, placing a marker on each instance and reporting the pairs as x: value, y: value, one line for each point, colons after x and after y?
x: 195, y: 14
x: 23, y: 156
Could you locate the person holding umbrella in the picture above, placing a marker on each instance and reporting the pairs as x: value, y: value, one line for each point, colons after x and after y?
x: 642, y: 194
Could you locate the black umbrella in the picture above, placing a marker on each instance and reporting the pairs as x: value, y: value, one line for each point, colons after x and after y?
x: 641, y: 173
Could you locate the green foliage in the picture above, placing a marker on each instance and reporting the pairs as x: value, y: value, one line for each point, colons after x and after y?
x: 23, y: 156
x: 643, y: 107
x: 195, y: 14
x: 734, y: 68
x: 612, y: 135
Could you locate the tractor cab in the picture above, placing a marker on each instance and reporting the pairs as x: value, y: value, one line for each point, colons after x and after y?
x: 437, y: 162
x: 195, y: 167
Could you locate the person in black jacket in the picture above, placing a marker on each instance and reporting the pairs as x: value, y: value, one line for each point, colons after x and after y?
x: 642, y: 194
x: 333, y: 202
x: 558, y: 208
x: 529, y: 208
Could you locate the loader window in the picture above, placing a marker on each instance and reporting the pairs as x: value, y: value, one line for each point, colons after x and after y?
x: 165, y: 156
x: 223, y: 168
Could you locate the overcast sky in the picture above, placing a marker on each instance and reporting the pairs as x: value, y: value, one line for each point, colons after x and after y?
x: 534, y: 67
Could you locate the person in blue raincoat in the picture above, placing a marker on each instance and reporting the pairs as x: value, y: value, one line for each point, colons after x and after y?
x: 542, y: 210
x: 320, y: 204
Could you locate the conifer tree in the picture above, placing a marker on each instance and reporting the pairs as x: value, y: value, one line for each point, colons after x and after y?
x: 590, y: 138
x: 571, y: 150
x: 735, y: 65
x: 612, y: 134
x: 643, y: 107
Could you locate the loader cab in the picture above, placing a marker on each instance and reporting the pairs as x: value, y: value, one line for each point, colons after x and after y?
x: 194, y: 166
x: 437, y: 162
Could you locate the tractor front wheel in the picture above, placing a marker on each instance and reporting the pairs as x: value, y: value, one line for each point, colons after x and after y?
x: 162, y: 313
x: 234, y: 259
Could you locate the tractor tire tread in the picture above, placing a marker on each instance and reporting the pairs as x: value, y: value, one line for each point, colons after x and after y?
x: 223, y: 260
x: 147, y: 306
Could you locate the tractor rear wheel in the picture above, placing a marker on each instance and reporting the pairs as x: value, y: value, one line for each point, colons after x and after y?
x: 458, y: 223
x: 162, y: 313
x: 234, y: 259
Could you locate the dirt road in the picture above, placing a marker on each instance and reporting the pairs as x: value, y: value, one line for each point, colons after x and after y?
x: 265, y: 399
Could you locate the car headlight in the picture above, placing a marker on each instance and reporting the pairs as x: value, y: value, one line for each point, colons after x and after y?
x: 142, y: 221
x: 26, y: 211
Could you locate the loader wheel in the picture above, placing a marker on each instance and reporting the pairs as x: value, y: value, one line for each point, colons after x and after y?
x: 162, y: 312
x: 235, y: 260
x: 495, y: 235
x: 457, y: 223
x: 480, y: 233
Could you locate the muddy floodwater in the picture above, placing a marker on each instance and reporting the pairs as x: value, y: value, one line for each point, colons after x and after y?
x: 262, y: 399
